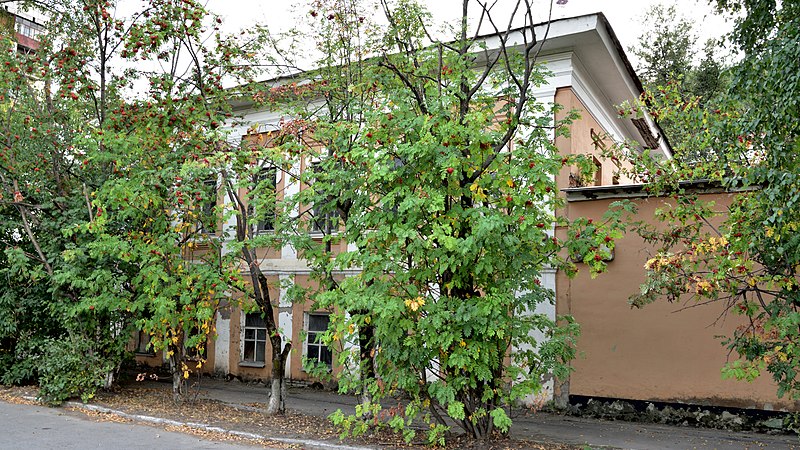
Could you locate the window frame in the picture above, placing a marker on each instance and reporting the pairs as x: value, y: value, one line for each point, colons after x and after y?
x: 265, y: 225
x: 207, y: 208
x: 319, y: 346
x: 28, y: 28
x: 255, y: 328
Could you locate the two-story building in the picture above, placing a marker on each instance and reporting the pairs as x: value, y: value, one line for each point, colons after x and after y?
x: 651, y: 354
x: 589, y: 72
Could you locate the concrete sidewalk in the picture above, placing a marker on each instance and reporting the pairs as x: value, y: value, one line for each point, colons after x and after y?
x: 544, y: 427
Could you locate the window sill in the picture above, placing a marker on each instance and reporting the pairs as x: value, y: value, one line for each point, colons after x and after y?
x: 303, y: 370
x: 320, y: 234
x: 259, y: 365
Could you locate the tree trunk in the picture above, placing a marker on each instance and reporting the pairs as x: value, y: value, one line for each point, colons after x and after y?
x: 366, y: 343
x: 109, y: 380
x: 175, y: 366
x: 277, y: 397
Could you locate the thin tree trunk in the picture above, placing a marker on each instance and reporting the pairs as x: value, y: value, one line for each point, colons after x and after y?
x: 178, y: 381
x: 366, y: 343
x: 277, y: 398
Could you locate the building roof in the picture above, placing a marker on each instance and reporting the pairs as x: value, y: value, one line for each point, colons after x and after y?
x: 594, y: 45
x: 592, y: 40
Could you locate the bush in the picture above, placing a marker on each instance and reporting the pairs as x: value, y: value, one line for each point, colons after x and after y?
x: 70, y: 368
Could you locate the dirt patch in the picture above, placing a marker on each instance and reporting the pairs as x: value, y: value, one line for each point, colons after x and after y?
x: 137, y: 400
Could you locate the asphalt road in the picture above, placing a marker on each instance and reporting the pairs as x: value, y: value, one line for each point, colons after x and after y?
x: 40, y: 427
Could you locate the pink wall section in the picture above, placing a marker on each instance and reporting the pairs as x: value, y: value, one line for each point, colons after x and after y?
x: 659, y: 352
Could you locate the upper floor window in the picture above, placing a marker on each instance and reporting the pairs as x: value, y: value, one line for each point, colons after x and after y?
x: 325, y: 216
x: 266, y: 179
x: 28, y: 28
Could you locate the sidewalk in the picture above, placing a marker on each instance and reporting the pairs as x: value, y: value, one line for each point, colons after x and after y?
x: 541, y: 426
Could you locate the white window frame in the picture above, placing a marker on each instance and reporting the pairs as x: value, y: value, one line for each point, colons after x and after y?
x: 260, y: 225
x: 254, y: 362
x: 318, y: 345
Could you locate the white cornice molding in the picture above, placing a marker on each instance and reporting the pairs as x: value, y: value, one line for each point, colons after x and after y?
x: 600, y: 107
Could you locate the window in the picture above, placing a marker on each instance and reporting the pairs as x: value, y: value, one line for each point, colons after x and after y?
x: 325, y: 216
x: 324, y: 220
x: 598, y: 172
x: 208, y: 221
x: 196, y: 352
x: 255, y: 339
x: 266, y: 221
x: 316, y: 351
x: 143, y: 344
x: 28, y: 28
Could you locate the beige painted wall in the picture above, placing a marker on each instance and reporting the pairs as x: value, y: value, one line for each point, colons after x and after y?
x: 581, y: 140
x: 654, y: 353
x: 298, y: 311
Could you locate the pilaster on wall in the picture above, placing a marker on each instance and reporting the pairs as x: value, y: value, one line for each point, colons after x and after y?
x: 285, y: 316
x: 548, y: 280
x: 291, y: 188
x: 222, y: 345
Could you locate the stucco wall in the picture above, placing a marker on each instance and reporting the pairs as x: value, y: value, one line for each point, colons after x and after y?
x: 291, y: 318
x: 586, y: 137
x: 654, y: 353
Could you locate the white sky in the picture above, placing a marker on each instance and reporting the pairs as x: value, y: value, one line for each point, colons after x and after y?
x: 625, y: 16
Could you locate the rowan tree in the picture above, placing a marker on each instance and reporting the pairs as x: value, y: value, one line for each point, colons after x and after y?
x: 117, y: 208
x: 44, y: 192
x: 436, y: 167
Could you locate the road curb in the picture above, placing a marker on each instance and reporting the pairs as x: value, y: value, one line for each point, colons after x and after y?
x: 310, y: 443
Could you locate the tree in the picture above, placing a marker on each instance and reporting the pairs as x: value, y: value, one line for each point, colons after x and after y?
x: 116, y: 210
x: 666, y: 49
x: 161, y: 224
x: 249, y: 174
x: 44, y: 192
x: 667, y: 52
x: 746, y: 257
x: 440, y: 177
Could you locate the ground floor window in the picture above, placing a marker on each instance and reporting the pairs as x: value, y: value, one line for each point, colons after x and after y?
x: 255, y: 339
x: 316, y: 351
x: 143, y: 346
